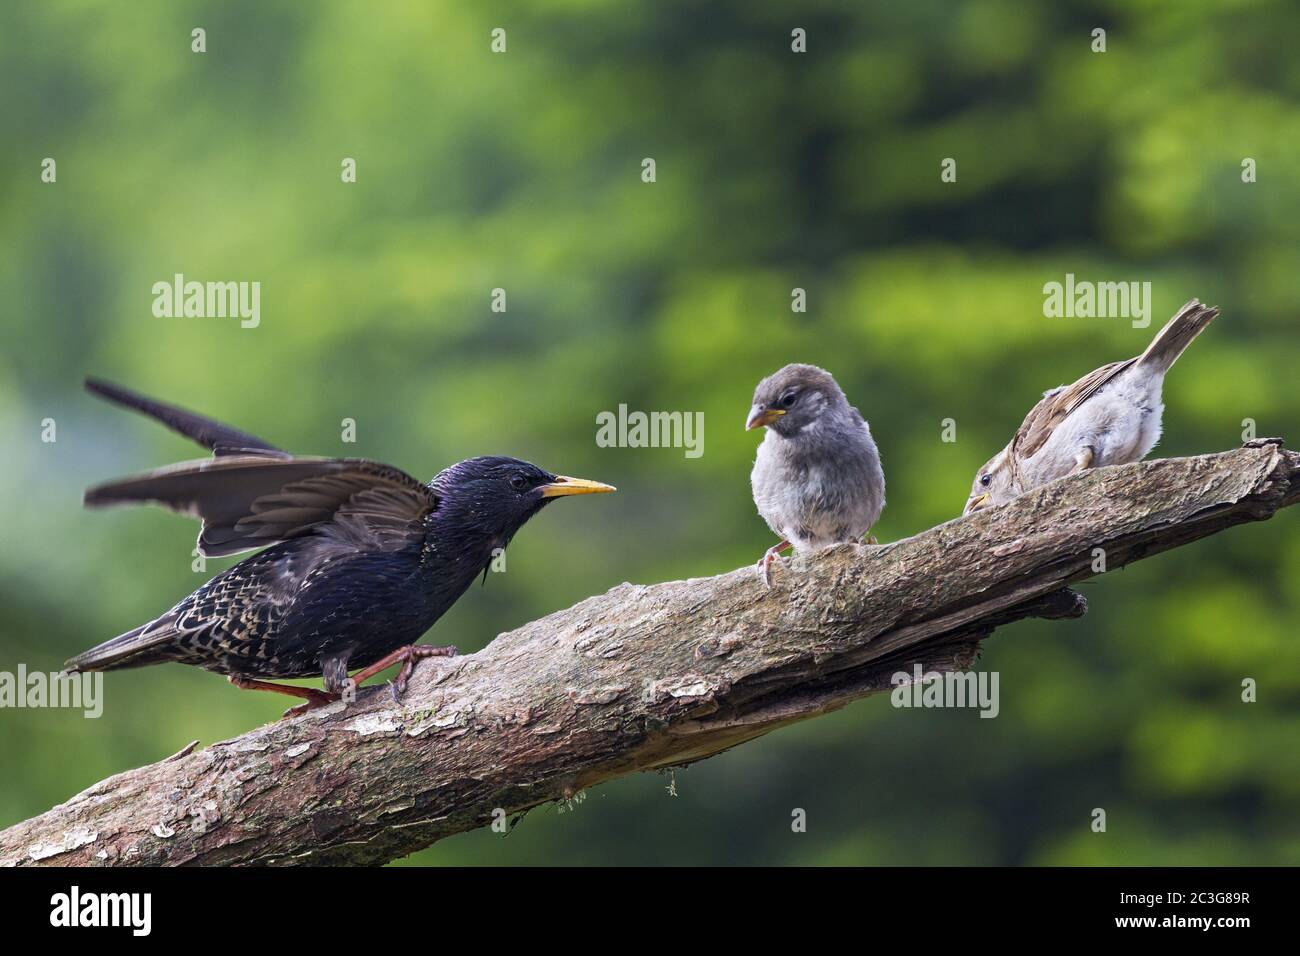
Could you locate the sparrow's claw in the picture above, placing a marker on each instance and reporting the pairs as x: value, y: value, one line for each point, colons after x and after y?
x: 765, y: 562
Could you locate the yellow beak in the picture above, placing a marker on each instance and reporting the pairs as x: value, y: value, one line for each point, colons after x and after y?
x: 759, y: 416
x: 975, y: 504
x: 564, y: 485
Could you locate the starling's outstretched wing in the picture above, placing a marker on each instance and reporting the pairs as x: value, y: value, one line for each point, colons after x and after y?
x: 249, y: 501
x: 221, y: 439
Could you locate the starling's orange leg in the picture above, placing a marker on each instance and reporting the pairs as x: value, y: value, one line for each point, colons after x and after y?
x: 407, y: 656
x: 765, y: 562
x: 314, y: 697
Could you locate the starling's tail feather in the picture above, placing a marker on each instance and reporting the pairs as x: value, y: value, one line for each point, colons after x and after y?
x: 1178, y: 333
x: 132, y: 649
x: 211, y: 434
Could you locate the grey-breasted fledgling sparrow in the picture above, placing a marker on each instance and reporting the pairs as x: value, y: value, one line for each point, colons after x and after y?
x: 1111, y: 416
x: 817, y: 478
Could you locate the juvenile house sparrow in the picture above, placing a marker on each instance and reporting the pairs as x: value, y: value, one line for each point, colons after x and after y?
x: 817, y: 479
x: 1111, y: 416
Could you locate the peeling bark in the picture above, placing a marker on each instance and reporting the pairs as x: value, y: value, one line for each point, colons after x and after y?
x: 643, y: 677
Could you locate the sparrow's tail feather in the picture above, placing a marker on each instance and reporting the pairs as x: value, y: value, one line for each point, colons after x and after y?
x: 1189, y: 322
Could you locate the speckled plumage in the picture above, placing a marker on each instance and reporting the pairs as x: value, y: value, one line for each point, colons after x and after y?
x: 360, y: 558
x: 288, y: 609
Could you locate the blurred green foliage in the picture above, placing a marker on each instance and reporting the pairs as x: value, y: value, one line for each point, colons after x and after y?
x: 775, y: 170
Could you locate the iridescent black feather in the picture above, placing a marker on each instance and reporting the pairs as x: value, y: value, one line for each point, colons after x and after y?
x: 359, y: 559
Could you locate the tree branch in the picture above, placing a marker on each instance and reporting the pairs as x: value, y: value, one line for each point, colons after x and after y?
x: 643, y: 678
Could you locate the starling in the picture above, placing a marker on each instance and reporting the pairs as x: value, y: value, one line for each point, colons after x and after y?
x: 358, y: 558
x: 1111, y: 416
x: 817, y: 479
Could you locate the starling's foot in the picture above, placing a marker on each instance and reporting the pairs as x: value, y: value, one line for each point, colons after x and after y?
x: 313, y: 697
x: 765, y: 562
x: 310, y: 705
x: 407, y: 656
x: 871, y: 539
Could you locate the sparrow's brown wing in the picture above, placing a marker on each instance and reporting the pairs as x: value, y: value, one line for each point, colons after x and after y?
x: 1056, y: 406
x: 250, y: 501
x: 221, y: 439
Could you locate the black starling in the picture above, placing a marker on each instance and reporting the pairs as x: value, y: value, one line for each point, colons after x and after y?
x: 817, y: 479
x: 359, y: 558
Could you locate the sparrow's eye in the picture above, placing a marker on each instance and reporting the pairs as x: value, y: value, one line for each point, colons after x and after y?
x: 788, y: 399
x: 985, y: 479
x: 518, y: 482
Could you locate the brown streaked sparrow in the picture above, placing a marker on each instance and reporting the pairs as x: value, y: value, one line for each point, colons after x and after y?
x: 1111, y: 416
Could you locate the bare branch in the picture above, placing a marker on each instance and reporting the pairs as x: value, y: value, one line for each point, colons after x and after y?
x: 642, y: 678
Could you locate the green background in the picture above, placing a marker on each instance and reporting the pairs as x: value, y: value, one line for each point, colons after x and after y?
x: 775, y: 171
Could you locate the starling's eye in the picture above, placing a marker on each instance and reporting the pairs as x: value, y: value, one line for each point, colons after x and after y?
x: 788, y: 399
x: 518, y: 482
x: 985, y: 479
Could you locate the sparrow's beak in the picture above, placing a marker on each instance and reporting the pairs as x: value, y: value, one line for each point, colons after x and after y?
x: 563, y: 485
x: 758, y: 416
x: 975, y: 504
